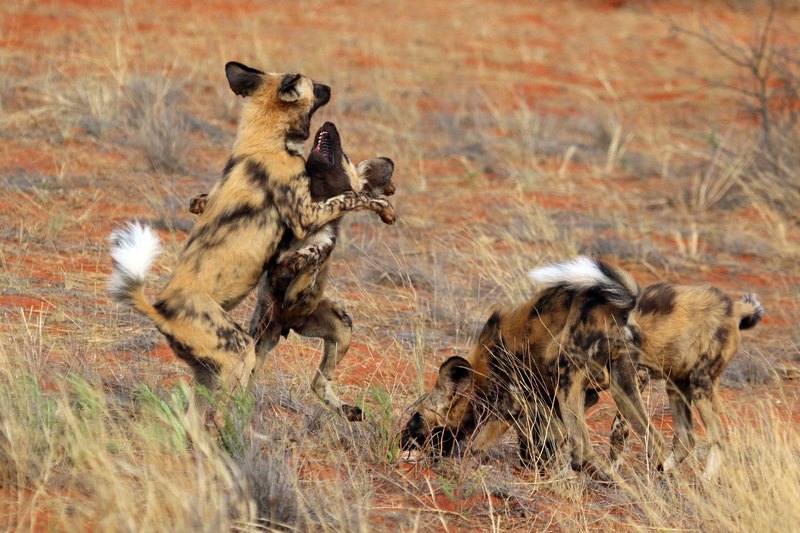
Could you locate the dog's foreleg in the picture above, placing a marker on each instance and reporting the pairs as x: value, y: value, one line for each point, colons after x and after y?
x: 303, y: 216
x: 298, y: 294
x: 571, y: 395
x: 628, y: 398
x: 296, y: 260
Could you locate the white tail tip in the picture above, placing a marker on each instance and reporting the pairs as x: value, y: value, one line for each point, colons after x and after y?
x: 134, y: 249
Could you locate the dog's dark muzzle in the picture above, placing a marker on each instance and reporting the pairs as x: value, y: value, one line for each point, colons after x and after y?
x: 322, y: 93
x: 414, y: 434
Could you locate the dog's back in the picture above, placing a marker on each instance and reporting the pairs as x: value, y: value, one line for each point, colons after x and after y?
x: 683, y: 325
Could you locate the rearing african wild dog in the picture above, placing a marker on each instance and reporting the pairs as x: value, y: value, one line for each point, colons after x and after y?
x: 541, y: 357
x: 262, y: 193
x: 688, y: 335
x: 290, y: 293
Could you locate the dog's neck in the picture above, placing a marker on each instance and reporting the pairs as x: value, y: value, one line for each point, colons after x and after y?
x: 294, y: 146
x: 260, y: 135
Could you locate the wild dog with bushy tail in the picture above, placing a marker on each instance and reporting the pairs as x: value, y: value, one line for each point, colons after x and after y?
x: 532, y: 366
x: 263, y: 192
x: 291, y: 293
x: 688, y: 335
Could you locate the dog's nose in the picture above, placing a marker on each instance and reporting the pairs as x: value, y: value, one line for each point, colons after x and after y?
x: 322, y: 93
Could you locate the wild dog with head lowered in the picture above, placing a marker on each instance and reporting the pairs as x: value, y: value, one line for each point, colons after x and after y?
x: 263, y: 192
x: 291, y: 291
x: 688, y: 335
x: 538, y: 359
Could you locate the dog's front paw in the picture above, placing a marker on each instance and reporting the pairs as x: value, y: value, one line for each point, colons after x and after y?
x: 295, y: 262
x: 198, y: 204
x: 384, y: 210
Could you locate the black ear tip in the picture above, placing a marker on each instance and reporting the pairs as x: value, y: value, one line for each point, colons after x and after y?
x: 289, y: 80
x: 241, y: 67
x: 388, y: 162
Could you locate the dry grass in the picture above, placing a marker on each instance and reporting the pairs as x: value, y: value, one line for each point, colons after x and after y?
x: 529, y: 134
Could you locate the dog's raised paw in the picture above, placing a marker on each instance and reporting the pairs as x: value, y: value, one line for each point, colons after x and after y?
x: 295, y: 262
x: 385, y: 210
x: 198, y: 204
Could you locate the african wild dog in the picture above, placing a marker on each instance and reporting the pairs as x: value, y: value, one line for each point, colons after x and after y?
x: 688, y: 336
x: 540, y: 358
x: 290, y: 293
x: 331, y: 173
x: 263, y: 193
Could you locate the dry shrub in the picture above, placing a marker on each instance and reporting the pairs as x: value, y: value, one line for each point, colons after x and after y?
x: 272, y: 483
x: 154, y: 112
x: 755, y: 166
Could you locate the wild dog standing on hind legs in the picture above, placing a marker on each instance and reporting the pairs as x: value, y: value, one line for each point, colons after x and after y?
x: 688, y: 335
x: 263, y: 193
x: 291, y: 291
x: 572, y: 336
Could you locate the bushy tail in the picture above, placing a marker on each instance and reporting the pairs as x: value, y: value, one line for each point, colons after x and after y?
x: 749, y: 311
x: 583, y: 273
x: 133, y: 250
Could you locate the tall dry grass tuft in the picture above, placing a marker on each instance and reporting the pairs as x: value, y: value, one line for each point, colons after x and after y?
x: 78, y: 455
x: 154, y: 111
x: 272, y: 479
x: 758, y: 489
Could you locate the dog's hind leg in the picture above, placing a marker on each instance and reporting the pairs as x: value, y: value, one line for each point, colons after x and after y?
x: 704, y: 397
x: 620, y: 428
x: 222, y: 350
x: 264, y: 329
x: 333, y: 325
x: 680, y: 407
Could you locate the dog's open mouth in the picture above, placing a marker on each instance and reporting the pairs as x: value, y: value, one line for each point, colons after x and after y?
x: 324, y: 146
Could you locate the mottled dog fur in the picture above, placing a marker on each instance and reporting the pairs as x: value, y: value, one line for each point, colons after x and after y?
x: 291, y: 291
x: 688, y: 335
x: 263, y: 192
x: 538, y: 359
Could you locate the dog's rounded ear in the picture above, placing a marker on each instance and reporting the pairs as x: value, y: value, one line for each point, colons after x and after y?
x: 455, y: 376
x: 243, y: 80
x: 377, y: 173
x: 288, y: 91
